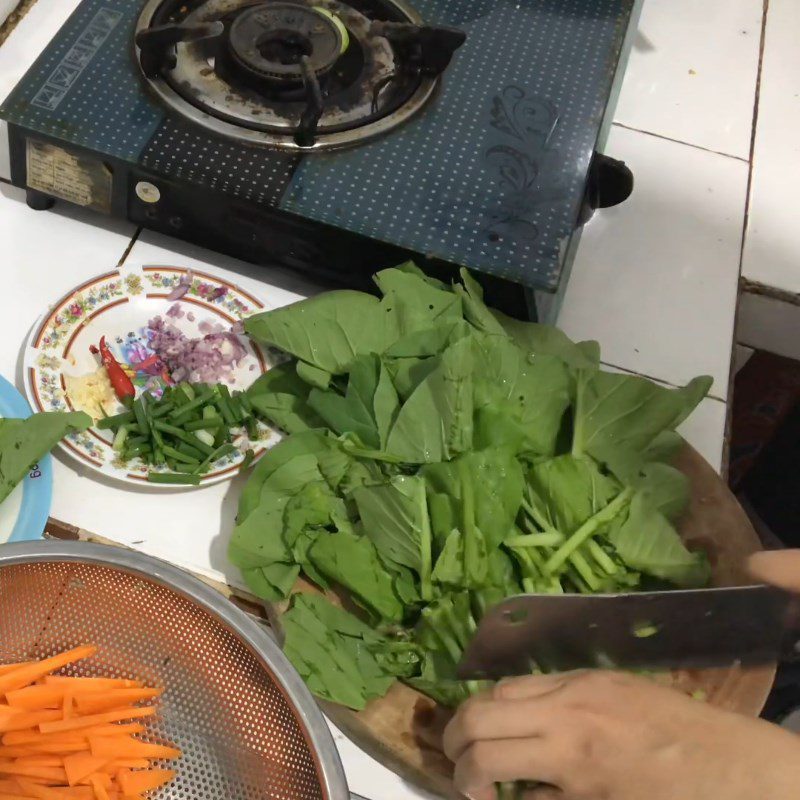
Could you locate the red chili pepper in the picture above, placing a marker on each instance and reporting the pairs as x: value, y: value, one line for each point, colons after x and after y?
x: 122, y: 384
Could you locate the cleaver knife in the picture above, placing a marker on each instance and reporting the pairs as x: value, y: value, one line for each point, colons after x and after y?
x: 681, y: 629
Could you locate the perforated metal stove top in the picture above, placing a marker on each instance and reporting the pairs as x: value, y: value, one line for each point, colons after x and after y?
x: 490, y: 172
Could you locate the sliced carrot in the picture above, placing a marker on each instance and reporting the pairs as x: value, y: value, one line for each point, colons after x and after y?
x: 31, y: 735
x: 39, y: 761
x: 125, y: 763
x: 16, y: 752
x: 4, y: 668
x: 78, y: 723
x: 48, y: 773
x: 28, y: 719
x: 144, y: 781
x: 35, y: 698
x: 113, y: 747
x: 8, y: 796
x: 96, y: 703
x: 22, y: 676
x: 100, y: 791
x: 9, y: 785
x: 7, y: 712
x: 80, y: 765
x: 62, y: 749
x: 91, y: 684
x: 33, y: 789
x: 100, y: 776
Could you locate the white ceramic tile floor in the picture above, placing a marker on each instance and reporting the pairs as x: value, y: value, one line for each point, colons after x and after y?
x: 655, y: 279
x: 21, y: 49
x: 772, y: 243
x: 692, y: 72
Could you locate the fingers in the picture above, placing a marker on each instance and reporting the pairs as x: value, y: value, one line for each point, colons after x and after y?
x: 481, y: 720
x: 486, y: 763
x: 779, y: 568
x: 530, y: 686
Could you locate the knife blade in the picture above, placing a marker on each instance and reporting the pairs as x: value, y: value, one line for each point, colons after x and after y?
x: 681, y: 629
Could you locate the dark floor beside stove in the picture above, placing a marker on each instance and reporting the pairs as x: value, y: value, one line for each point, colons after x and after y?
x: 765, y: 474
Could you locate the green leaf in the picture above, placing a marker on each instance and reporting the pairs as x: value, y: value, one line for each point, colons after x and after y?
x: 308, y: 443
x: 647, y: 542
x: 533, y: 337
x: 475, y: 310
x: 352, y: 413
x: 385, y: 405
x: 665, y: 489
x: 353, y: 562
x: 24, y: 442
x: 618, y: 416
x: 331, y: 649
x: 408, y: 373
x: 435, y: 423
x: 313, y: 376
x: 520, y: 399
x: 416, y: 303
x: 328, y: 331
x: 568, y: 490
x: 273, y: 582
x: 395, y: 518
x: 493, y: 479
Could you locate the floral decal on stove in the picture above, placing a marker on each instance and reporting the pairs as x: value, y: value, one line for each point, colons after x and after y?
x: 212, y: 292
x: 524, y: 162
x: 77, y: 308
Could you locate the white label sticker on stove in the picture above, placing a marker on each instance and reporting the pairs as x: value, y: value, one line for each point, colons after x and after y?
x: 83, y: 181
x: 77, y: 58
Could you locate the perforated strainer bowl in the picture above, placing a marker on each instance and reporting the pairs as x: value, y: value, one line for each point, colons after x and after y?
x: 248, y: 727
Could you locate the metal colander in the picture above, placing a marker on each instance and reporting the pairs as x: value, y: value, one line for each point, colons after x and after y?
x: 248, y: 727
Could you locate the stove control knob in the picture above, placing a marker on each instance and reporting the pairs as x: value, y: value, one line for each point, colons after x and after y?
x: 148, y: 192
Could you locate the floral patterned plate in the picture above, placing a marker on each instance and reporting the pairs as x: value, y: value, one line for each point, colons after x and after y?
x: 119, y: 305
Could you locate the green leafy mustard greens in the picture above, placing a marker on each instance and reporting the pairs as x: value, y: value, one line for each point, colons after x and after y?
x: 24, y: 441
x: 442, y: 456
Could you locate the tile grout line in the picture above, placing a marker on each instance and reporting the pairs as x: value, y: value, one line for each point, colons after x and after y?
x: 658, y: 380
x: 680, y: 141
x: 745, y: 222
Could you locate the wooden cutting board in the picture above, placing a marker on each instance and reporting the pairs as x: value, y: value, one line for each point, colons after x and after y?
x: 402, y: 729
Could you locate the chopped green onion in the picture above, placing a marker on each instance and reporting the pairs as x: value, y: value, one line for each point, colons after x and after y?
x: 176, y: 478
x: 116, y: 421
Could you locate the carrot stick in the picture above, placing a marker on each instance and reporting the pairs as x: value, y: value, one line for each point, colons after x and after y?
x: 36, y: 737
x: 138, y: 782
x: 100, y: 792
x: 95, y: 704
x: 76, y: 723
x: 28, y: 719
x: 39, y: 761
x: 48, y: 773
x: 35, y: 698
x: 16, y: 752
x: 114, y: 747
x: 4, y: 668
x: 82, y: 765
x: 22, y: 676
x: 92, y: 684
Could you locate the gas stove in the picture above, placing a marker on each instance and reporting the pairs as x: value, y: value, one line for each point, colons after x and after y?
x: 334, y: 136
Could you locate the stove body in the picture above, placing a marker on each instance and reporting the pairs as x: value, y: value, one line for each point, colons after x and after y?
x: 469, y: 144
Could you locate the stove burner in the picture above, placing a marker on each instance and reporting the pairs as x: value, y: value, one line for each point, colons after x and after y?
x: 271, y: 40
x: 295, y: 74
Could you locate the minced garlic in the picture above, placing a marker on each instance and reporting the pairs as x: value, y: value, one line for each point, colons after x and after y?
x: 92, y: 393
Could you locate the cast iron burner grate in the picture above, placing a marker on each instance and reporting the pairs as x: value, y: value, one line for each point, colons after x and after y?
x: 296, y: 74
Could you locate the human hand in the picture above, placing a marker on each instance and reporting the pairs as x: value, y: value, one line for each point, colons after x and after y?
x: 599, y: 735
x: 780, y: 568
